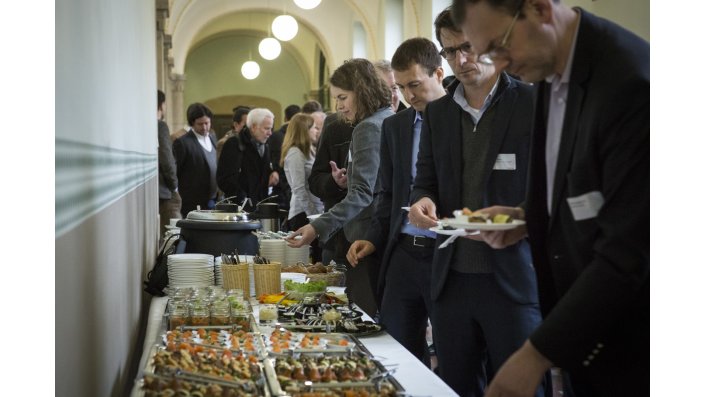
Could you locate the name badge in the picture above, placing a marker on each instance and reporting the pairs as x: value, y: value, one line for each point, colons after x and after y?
x: 586, y: 206
x: 506, y: 161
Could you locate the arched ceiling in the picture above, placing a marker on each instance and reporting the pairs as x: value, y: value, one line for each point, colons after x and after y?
x: 192, y: 20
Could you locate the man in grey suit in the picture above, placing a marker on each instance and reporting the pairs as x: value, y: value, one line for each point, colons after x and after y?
x: 169, y: 199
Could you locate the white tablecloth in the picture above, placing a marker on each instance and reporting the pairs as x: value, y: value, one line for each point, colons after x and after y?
x: 417, y: 379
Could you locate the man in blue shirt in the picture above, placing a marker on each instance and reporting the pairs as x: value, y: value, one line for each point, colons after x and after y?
x: 405, y: 272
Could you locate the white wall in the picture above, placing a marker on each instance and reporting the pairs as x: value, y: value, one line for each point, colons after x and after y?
x: 105, y: 189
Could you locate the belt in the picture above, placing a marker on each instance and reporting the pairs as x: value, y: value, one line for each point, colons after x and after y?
x: 417, y: 241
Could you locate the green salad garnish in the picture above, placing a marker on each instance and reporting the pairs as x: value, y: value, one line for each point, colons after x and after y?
x: 311, y: 286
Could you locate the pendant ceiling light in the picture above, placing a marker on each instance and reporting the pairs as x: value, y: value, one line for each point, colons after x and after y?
x: 270, y: 48
x: 285, y: 27
x: 307, y: 4
x: 250, y: 70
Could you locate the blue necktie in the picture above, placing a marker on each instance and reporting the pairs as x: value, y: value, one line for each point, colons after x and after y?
x: 408, y: 228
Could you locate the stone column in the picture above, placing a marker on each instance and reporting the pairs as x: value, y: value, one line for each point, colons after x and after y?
x: 177, y: 112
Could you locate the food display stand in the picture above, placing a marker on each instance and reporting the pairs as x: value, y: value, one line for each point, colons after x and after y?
x: 412, y: 375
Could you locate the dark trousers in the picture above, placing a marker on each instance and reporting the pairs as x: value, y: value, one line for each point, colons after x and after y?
x: 169, y: 208
x: 476, y: 327
x: 406, y: 302
x: 361, y: 280
x: 300, y: 220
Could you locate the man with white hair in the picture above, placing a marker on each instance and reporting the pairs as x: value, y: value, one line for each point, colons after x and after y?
x: 245, y: 167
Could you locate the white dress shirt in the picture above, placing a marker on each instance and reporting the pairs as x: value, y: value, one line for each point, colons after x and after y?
x: 556, y: 116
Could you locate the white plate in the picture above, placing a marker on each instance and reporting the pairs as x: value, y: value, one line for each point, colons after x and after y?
x: 464, y: 224
x: 454, y: 232
x: 191, y: 256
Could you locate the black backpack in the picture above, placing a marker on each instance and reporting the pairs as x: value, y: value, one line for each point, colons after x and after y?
x: 158, y: 277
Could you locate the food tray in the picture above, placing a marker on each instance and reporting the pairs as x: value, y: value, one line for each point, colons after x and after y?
x: 350, y: 327
x: 173, y: 372
x: 282, y: 342
x: 214, y: 337
x: 330, y: 375
x: 316, y: 310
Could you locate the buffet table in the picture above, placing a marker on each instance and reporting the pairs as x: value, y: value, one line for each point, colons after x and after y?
x: 412, y: 374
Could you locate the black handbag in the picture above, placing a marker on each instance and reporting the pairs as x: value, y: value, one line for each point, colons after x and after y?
x: 158, y: 277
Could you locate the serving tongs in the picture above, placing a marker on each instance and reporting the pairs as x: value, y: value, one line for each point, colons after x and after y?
x: 374, y: 382
x: 230, y: 259
x: 247, y: 385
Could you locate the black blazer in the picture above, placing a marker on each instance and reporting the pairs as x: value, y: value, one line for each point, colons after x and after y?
x: 395, y: 180
x: 193, y: 172
x: 332, y: 146
x: 439, y: 177
x: 594, y: 273
x: 241, y: 171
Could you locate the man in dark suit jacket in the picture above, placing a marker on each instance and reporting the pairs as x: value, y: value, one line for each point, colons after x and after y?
x: 195, y: 154
x: 169, y: 198
x: 245, y: 167
x: 332, y: 158
x: 474, y: 150
x: 405, y: 272
x: 587, y: 207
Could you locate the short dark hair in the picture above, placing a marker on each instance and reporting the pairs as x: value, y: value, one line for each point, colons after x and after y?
x: 239, y: 113
x: 161, y: 98
x: 371, y: 92
x: 418, y: 50
x: 196, y: 111
x: 311, y: 107
x: 510, y: 7
x: 445, y: 21
x: 290, y: 111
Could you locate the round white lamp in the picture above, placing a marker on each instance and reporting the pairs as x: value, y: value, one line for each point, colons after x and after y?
x: 270, y: 48
x: 307, y: 4
x: 285, y: 27
x: 250, y: 70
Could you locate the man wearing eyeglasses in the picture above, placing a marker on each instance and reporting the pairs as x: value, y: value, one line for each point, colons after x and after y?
x: 587, y: 208
x: 474, y: 150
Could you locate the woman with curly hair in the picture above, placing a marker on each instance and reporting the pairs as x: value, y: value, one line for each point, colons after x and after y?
x: 362, y: 99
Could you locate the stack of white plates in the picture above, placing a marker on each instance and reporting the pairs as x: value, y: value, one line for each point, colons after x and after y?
x: 190, y: 270
x: 273, y: 249
x: 296, y: 255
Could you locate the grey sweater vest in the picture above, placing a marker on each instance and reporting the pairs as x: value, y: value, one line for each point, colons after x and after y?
x: 474, y: 256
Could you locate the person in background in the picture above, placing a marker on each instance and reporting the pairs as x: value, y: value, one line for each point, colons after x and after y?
x: 298, y: 152
x: 363, y: 99
x: 405, y: 272
x: 196, y: 161
x: 587, y: 206
x: 239, y: 120
x: 281, y: 189
x: 384, y: 70
x: 326, y: 181
x: 311, y: 107
x: 319, y: 118
x: 169, y: 198
x: 474, y: 149
x: 245, y: 169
